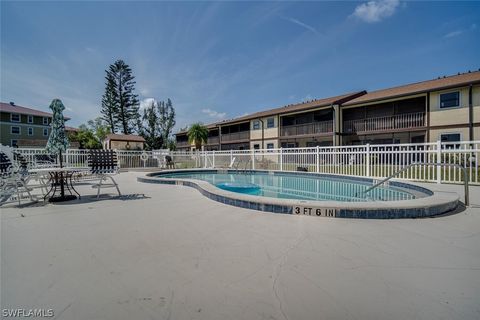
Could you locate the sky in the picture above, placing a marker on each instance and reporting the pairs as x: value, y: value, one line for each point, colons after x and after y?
x: 219, y: 60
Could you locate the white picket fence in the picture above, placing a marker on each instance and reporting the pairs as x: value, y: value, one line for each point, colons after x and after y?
x: 364, y: 160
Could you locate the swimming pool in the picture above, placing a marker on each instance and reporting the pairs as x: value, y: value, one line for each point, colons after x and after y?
x: 310, y: 193
x: 298, y: 186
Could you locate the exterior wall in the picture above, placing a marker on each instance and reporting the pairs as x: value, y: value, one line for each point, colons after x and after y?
x: 455, y: 116
x: 122, y: 145
x: 435, y: 133
x: 476, y: 107
x: 308, y: 142
x: 23, y: 139
x: 265, y: 143
x: 449, y: 116
x: 268, y: 132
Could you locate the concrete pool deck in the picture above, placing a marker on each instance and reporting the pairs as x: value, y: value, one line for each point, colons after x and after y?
x: 175, y: 254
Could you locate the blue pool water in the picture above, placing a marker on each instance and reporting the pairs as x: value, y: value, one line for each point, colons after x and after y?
x: 293, y: 186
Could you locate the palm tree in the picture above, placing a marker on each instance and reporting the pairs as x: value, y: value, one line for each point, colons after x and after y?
x: 197, y: 134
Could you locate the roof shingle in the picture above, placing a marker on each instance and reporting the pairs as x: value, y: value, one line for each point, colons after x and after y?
x: 418, y: 87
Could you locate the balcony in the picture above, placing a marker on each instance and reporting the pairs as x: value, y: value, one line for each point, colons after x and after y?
x: 388, y: 123
x: 213, y: 140
x: 237, y: 136
x: 183, y: 144
x: 315, y: 128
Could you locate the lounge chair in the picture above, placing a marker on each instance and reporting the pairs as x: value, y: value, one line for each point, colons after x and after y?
x: 103, y: 164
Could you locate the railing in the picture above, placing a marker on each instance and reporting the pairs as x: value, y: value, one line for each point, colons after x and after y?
x: 242, y: 135
x: 213, y: 140
x: 377, y: 161
x: 399, y: 121
x: 182, y: 144
x: 307, y: 129
x: 455, y: 165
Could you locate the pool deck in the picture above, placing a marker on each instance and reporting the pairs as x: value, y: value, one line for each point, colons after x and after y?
x: 168, y: 252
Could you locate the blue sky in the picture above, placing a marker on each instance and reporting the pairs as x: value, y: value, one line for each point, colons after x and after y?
x: 219, y: 60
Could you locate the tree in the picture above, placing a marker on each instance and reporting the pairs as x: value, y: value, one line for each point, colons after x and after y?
x: 109, y: 103
x: 120, y: 103
x: 92, y: 135
x: 197, y: 134
x: 100, y: 128
x: 149, y: 127
x: 86, y: 138
x: 166, y: 117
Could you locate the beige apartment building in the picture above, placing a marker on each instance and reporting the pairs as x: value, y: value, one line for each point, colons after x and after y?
x: 445, y: 109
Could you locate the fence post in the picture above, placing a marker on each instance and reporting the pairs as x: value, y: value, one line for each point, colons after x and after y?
x: 213, y: 158
x: 253, y: 159
x: 281, y: 159
x: 439, y: 160
x: 367, y: 159
x: 231, y: 156
x: 67, y: 161
x: 205, y: 159
x: 318, y: 159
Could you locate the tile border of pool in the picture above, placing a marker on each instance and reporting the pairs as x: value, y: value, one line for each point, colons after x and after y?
x: 435, y: 203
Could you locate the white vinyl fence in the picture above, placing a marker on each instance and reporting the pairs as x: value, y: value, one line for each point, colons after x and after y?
x: 364, y: 160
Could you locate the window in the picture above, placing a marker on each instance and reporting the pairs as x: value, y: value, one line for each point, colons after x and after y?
x: 270, y: 123
x: 256, y: 125
x: 14, y: 143
x: 14, y: 117
x: 14, y: 130
x: 450, y: 137
x: 450, y: 100
x: 256, y: 146
x: 269, y: 145
x: 45, y: 132
x: 45, y: 120
x: 30, y: 131
x: 30, y: 119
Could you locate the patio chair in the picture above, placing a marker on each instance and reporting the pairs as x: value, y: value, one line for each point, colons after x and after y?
x: 13, y: 181
x: 44, y: 160
x: 103, y: 164
x: 169, y: 162
x: 24, y: 167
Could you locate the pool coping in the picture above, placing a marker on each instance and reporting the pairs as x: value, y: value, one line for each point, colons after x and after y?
x: 435, y: 203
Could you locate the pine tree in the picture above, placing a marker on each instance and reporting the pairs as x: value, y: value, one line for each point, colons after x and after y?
x: 166, y: 120
x: 121, y: 84
x: 109, y: 102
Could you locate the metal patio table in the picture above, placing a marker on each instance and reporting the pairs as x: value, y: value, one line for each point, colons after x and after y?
x: 60, y: 179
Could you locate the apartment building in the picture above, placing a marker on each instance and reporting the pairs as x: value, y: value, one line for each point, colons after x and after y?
x: 446, y: 109
x: 24, y: 127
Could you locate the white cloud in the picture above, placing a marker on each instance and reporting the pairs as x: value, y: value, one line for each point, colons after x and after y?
x: 453, y: 34
x: 214, y: 114
x: 375, y: 11
x: 301, y: 24
x: 146, y: 103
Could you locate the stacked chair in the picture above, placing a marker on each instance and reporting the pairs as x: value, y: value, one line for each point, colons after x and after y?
x: 14, y: 179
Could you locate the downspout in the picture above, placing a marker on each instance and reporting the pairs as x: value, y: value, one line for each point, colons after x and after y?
x: 428, y: 117
x: 263, y: 133
x: 334, y: 127
x: 470, y: 112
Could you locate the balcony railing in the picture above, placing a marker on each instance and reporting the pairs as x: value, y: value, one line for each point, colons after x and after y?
x: 243, y: 135
x: 213, y: 140
x: 399, y: 121
x: 307, y: 129
x: 183, y: 144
